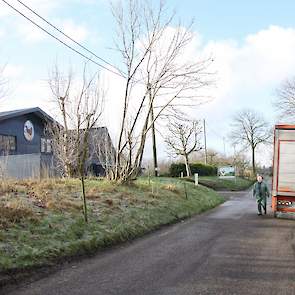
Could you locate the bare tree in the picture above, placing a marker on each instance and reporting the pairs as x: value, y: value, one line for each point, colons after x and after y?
x: 212, y: 156
x: 183, y: 139
x: 5, y: 148
x: 79, y: 105
x: 240, y: 162
x: 159, y: 81
x: 250, y: 130
x: 63, y: 139
x: 285, y: 103
x: 5, y: 145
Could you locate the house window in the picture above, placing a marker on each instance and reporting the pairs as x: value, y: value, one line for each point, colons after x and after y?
x: 46, y: 145
x: 43, y: 145
x: 7, y: 143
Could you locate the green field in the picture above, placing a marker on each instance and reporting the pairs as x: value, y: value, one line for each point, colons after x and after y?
x: 216, y: 183
x: 41, y: 222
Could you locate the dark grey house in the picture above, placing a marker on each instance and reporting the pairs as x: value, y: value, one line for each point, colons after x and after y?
x: 101, y: 151
x: 26, y: 151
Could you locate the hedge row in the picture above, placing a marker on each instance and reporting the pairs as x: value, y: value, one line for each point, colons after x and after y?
x: 202, y: 169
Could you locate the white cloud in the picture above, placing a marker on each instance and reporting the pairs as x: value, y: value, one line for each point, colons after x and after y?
x: 78, y: 32
x: 12, y: 19
x: 2, y: 33
x: 262, y: 61
x: 12, y: 71
x: 40, y: 6
x: 43, y: 7
x: 32, y: 33
x: 29, y: 93
x: 5, y: 10
x: 247, y: 75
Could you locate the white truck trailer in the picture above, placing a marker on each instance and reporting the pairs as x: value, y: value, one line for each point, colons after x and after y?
x: 283, y: 184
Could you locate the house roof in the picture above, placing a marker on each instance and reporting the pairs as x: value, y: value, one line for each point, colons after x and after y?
x: 15, y: 113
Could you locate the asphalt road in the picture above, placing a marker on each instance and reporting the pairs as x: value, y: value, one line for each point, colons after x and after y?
x: 229, y: 250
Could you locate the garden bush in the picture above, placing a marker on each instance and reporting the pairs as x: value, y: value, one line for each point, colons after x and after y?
x: 202, y: 169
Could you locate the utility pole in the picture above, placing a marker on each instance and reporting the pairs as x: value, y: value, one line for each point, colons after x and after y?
x: 223, y: 138
x: 154, y: 138
x: 205, y: 141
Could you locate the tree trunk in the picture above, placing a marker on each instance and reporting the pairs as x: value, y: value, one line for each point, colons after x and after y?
x: 154, y: 143
x: 69, y: 170
x: 118, y: 153
x: 187, y: 167
x: 84, y: 199
x: 82, y: 161
x: 253, y: 161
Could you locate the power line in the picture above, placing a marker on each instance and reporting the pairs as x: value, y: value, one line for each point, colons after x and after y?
x: 62, y: 42
x: 214, y: 132
x: 64, y: 34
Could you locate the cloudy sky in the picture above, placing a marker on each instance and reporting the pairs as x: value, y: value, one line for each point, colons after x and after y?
x: 253, y: 44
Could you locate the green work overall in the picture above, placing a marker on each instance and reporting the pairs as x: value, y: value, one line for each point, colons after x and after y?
x: 261, y: 192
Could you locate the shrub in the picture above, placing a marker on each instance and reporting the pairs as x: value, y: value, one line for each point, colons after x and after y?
x: 176, y: 169
x: 15, y: 211
x: 202, y: 169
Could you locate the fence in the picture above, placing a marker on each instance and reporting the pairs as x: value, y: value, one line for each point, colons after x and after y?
x: 20, y: 166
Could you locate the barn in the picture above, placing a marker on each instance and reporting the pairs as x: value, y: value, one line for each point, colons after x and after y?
x: 26, y: 151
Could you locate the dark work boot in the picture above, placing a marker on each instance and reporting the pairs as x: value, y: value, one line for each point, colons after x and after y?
x: 259, y: 209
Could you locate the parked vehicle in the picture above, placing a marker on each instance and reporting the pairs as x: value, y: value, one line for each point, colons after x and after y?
x: 283, y: 184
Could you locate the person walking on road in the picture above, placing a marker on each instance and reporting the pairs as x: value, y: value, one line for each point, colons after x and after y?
x: 260, y: 192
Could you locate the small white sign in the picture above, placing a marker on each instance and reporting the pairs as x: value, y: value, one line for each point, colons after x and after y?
x: 226, y: 172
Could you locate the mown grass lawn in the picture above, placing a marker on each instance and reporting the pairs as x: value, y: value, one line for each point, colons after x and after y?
x: 40, y: 222
x: 230, y: 184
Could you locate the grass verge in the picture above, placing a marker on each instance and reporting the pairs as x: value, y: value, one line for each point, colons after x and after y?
x: 41, y: 222
x: 216, y: 183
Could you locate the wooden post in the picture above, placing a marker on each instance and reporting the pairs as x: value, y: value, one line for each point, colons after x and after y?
x: 185, y: 190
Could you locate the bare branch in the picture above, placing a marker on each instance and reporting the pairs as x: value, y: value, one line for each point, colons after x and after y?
x: 159, y: 79
x: 183, y: 139
x: 285, y: 103
x: 250, y: 130
x: 79, y: 110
